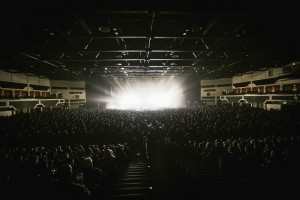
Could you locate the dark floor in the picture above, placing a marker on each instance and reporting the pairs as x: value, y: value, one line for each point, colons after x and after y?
x: 167, y: 180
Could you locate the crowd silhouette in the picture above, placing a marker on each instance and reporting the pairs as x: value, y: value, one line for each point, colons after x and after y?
x: 79, y: 153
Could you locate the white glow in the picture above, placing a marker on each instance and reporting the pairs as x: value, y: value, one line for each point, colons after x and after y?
x: 139, y: 95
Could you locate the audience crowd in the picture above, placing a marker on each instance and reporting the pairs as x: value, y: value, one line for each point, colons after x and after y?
x: 79, y: 153
x: 61, y: 172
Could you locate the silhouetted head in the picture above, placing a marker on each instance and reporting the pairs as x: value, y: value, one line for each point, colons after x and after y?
x: 65, y: 173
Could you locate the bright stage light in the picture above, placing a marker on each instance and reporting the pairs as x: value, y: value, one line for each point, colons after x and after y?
x: 146, y: 95
x: 129, y: 101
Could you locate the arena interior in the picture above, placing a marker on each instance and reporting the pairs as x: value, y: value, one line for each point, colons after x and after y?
x: 166, y: 100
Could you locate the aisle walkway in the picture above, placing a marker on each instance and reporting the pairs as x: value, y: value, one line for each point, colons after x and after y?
x: 133, y: 184
x: 166, y: 179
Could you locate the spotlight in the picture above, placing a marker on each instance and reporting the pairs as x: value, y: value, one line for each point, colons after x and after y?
x: 140, y: 95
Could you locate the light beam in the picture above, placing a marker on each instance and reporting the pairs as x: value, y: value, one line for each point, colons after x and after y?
x: 141, y: 95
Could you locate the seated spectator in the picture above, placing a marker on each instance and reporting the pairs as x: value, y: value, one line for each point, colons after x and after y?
x: 110, y: 164
x: 95, y: 179
x: 66, y: 188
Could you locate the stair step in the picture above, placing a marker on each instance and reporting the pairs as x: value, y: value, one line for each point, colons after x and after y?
x: 129, y: 196
x: 135, y: 176
x: 138, y: 165
x: 126, y: 191
x: 130, y: 190
x: 141, y: 184
x: 132, y: 180
x: 135, y: 167
x: 136, y: 172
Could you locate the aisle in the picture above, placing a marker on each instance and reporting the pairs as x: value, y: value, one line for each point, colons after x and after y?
x: 167, y: 181
x: 133, y: 184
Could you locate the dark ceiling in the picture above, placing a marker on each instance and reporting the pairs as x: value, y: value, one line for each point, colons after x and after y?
x: 93, y: 40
